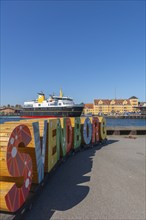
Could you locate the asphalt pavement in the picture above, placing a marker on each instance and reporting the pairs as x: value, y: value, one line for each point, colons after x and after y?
x: 103, y: 182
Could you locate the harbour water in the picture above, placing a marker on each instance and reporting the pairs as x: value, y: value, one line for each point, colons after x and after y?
x: 4, y: 119
x: 109, y: 121
x: 125, y: 122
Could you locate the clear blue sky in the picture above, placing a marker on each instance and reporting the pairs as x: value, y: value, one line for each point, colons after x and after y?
x: 90, y: 49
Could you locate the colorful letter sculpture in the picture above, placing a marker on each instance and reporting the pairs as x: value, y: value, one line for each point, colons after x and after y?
x: 30, y: 150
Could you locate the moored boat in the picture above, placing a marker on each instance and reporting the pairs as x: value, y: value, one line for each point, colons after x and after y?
x: 54, y: 106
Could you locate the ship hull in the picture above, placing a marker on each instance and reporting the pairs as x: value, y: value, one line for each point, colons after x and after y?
x: 49, y: 112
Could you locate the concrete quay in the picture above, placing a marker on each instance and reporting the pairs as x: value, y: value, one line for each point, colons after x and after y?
x: 126, y: 130
x: 102, y: 182
x: 134, y: 116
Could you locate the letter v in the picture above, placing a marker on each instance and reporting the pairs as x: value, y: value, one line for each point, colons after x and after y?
x: 40, y: 151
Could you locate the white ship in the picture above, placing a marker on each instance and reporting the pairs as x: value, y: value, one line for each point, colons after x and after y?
x: 54, y: 106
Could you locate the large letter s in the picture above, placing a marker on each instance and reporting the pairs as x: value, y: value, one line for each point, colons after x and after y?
x: 16, y: 165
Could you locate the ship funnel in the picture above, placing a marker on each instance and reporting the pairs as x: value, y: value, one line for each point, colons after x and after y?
x: 41, y: 97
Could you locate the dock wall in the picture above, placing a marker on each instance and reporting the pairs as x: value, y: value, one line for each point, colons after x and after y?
x: 128, y: 130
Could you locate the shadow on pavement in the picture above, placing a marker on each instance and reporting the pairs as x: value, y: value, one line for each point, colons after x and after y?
x: 66, y: 187
x: 111, y: 141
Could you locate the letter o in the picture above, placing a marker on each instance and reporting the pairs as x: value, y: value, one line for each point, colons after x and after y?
x: 87, y: 131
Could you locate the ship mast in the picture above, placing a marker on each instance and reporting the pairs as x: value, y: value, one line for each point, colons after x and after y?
x: 61, y: 93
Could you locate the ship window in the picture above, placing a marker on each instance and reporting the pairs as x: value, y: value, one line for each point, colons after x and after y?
x: 39, y: 104
x: 59, y: 103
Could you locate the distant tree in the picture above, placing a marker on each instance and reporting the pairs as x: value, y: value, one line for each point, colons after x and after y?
x: 18, y: 106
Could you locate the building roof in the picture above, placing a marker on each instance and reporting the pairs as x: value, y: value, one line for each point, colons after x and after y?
x: 108, y: 101
x: 120, y: 101
x: 7, y: 108
x: 133, y: 97
x: 88, y: 105
x: 104, y: 101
